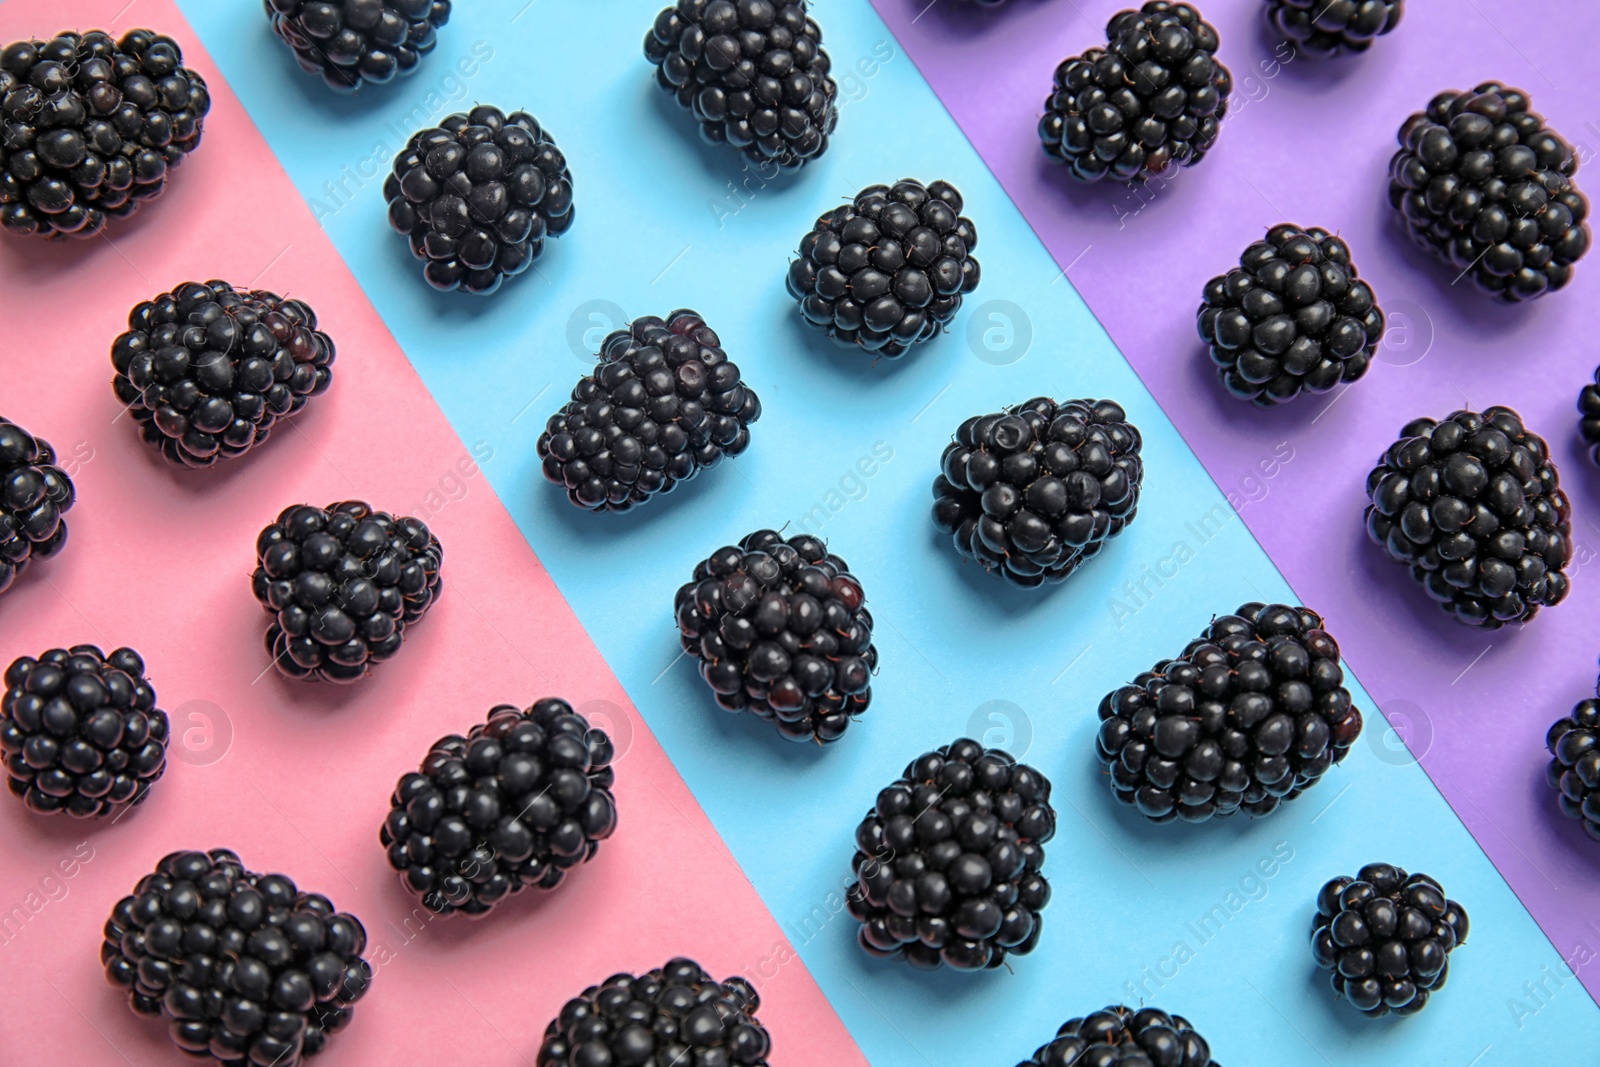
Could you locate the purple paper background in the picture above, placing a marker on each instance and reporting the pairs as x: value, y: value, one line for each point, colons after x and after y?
x: 1309, y: 142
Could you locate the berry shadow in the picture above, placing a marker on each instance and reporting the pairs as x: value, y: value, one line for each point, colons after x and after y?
x: 1269, y: 423
x: 1354, y: 1025
x: 991, y: 592
x: 890, y: 983
x: 62, y: 832
x: 851, y: 361
x: 615, y: 526
x: 959, y: 15
x: 44, y: 261
x: 722, y: 163
x: 315, y: 93
x: 1580, y: 847
x: 756, y: 740
x: 1315, y: 73
x: 1480, y: 313
x: 1176, y: 842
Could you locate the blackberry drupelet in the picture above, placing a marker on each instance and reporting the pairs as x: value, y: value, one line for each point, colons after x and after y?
x: 477, y: 195
x: 1386, y: 935
x: 664, y: 404
x: 342, y: 585
x: 1574, y: 768
x: 1473, y: 507
x: 246, y: 968
x: 948, y: 863
x: 1482, y: 183
x: 1034, y: 491
x: 1154, y: 98
x: 1292, y: 317
x: 34, y: 495
x: 674, y: 1016
x: 1252, y: 714
x: 1117, y: 1035
x: 519, y: 801
x: 752, y: 72
x: 1325, y: 28
x: 1589, y: 425
x: 888, y: 270
x: 90, y: 128
x: 80, y: 731
x: 352, y: 42
x: 780, y: 629
x: 208, y: 370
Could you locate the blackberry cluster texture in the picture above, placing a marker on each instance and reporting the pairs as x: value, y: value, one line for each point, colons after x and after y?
x: 342, y: 584
x: 1152, y: 99
x: 674, y: 1015
x: 1574, y: 768
x: 519, y: 801
x: 664, y: 404
x: 1473, y: 507
x: 1387, y: 936
x: 1482, y: 183
x: 477, y: 195
x: 1325, y: 28
x: 752, y: 72
x: 1034, y: 491
x: 888, y: 270
x: 948, y: 863
x: 1292, y: 317
x: 34, y: 495
x: 1253, y: 713
x: 780, y: 629
x: 80, y: 731
x: 352, y: 42
x: 208, y: 370
x: 246, y: 968
x: 1124, y: 1037
x: 90, y: 127
x: 1589, y: 408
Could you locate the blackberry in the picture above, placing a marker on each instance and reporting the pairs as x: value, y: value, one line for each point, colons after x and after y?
x: 81, y: 732
x: 1332, y: 27
x: 1387, y: 936
x: 1037, y: 489
x: 888, y: 270
x: 352, y: 42
x: 781, y: 630
x: 948, y: 863
x: 477, y: 195
x: 90, y: 128
x: 1574, y: 768
x: 519, y: 801
x: 1292, y: 317
x: 1118, y: 1035
x: 1473, y: 507
x: 246, y: 968
x: 664, y: 404
x: 1154, y: 98
x: 342, y: 584
x: 1589, y: 408
x: 207, y: 370
x: 34, y: 495
x: 1481, y: 183
x: 752, y: 72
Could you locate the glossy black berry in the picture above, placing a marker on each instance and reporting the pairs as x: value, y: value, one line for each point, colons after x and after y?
x: 949, y: 862
x: 1118, y: 1036
x: 1589, y: 408
x: 246, y: 969
x: 90, y: 127
x: 1324, y: 28
x: 1292, y: 317
x: 342, y: 584
x: 1152, y: 99
x: 352, y: 42
x: 1033, y: 491
x: 34, y: 495
x: 1482, y: 183
x: 1574, y: 768
x: 752, y: 72
x: 674, y: 1016
x: 1387, y: 936
x: 664, y: 404
x: 477, y: 195
x: 1473, y: 507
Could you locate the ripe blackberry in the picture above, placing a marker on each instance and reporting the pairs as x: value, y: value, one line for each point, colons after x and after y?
x: 351, y: 42
x: 753, y: 73
x: 477, y: 195
x: 207, y: 370
x: 34, y: 495
x: 1574, y: 768
x: 1292, y: 317
x: 246, y: 968
x: 888, y: 270
x: 1035, y: 490
x: 1589, y: 408
x: 948, y: 862
x: 519, y: 801
x: 1124, y: 1036
x: 1386, y: 935
x: 1325, y: 28
x: 664, y: 404
x: 90, y: 128
x: 1152, y: 99
x: 675, y: 1015
x: 1483, y: 184
x: 342, y: 584
x: 1474, y: 508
